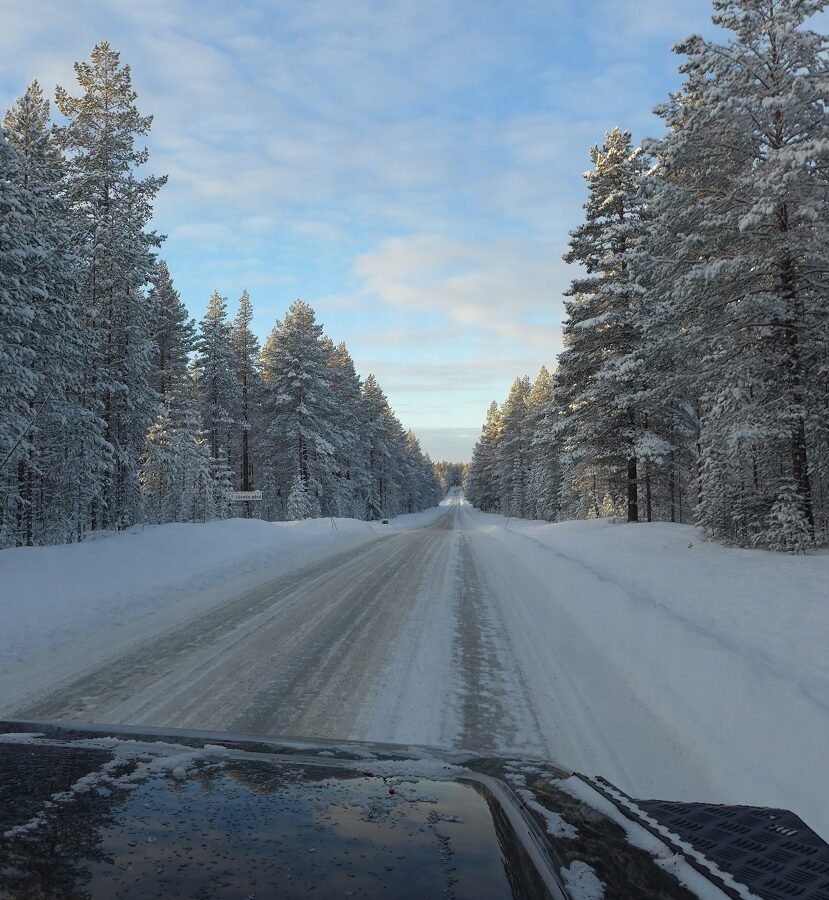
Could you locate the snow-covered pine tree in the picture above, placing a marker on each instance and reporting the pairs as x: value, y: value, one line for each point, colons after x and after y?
x: 399, y: 466
x: 420, y: 488
x: 197, y: 498
x: 448, y: 474
x: 111, y: 208
x: 198, y: 484
x: 380, y: 435
x: 221, y: 477
x: 432, y: 493
x: 745, y: 162
x: 301, y: 504
x: 179, y: 473
x: 350, y: 478
x: 544, y: 476
x: 415, y: 485
x: 60, y: 457
x: 668, y: 444
x: 181, y: 481
x: 297, y: 404
x: 514, y: 450
x: 597, y: 384
x: 482, y: 482
x: 21, y: 382
x: 174, y: 333
x: 373, y: 505
x: 789, y: 528
x: 158, y: 470
x: 246, y: 352
x: 216, y: 380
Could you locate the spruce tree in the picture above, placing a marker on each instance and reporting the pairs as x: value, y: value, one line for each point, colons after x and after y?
x: 301, y: 504
x: 514, y: 450
x: 379, y: 433
x: 482, y: 481
x: 544, y: 474
x: 174, y: 332
x: 216, y: 377
x: 350, y: 477
x: 297, y: 404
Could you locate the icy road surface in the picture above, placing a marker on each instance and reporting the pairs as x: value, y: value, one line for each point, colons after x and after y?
x: 471, y: 632
x: 397, y: 641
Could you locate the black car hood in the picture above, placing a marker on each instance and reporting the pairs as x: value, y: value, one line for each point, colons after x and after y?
x: 89, y: 811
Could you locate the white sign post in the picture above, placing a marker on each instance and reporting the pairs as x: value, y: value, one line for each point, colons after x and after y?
x: 244, y: 495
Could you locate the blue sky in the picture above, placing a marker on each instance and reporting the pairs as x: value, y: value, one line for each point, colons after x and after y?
x: 408, y: 167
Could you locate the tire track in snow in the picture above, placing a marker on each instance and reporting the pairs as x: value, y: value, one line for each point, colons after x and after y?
x: 497, y: 710
x: 415, y: 698
x: 288, y: 643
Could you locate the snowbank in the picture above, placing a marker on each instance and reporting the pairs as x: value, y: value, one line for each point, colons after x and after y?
x: 72, y: 605
x: 700, y: 672
x: 770, y: 608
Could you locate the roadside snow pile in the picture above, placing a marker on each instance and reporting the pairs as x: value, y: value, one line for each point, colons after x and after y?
x: 678, y: 669
x: 78, y: 602
x: 771, y: 608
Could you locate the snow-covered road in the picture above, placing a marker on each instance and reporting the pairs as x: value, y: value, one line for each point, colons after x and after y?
x: 395, y: 641
x: 475, y: 632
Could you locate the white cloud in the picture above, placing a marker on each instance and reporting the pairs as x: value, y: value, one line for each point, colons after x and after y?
x: 454, y: 444
x: 499, y: 287
x: 203, y: 232
x: 410, y: 166
x: 437, y: 377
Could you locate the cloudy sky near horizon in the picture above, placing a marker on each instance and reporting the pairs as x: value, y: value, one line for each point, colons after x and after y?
x: 408, y: 167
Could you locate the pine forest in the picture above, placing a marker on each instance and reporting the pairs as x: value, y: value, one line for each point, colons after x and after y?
x: 694, y: 381
x: 115, y: 407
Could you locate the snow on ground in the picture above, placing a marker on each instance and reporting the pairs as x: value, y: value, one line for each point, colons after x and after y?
x: 77, y: 603
x: 770, y: 608
x: 677, y: 668
x: 415, y: 698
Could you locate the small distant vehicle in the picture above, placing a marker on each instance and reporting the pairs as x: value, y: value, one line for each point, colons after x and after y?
x: 103, y: 812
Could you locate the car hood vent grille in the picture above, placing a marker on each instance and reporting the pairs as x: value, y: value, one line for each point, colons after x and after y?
x: 770, y: 851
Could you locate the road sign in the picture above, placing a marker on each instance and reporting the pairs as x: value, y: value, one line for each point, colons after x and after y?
x: 244, y: 495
